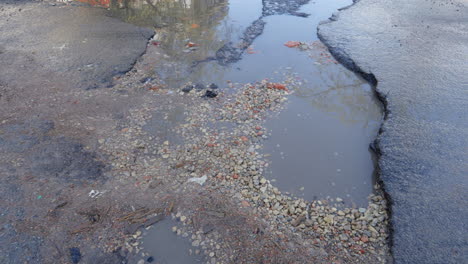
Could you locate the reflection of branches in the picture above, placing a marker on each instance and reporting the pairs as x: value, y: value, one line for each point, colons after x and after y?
x: 345, y: 95
x: 150, y: 4
x: 231, y: 53
x: 334, y: 88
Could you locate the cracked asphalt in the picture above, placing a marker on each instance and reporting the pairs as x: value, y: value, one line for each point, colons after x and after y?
x: 416, y: 52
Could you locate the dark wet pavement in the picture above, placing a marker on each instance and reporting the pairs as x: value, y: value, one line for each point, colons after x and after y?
x: 418, y: 52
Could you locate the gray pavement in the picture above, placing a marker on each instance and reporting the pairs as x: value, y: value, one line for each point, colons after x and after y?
x: 81, y: 44
x: 417, y: 52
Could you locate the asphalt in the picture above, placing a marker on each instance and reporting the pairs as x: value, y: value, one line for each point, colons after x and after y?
x: 82, y: 44
x: 416, y: 53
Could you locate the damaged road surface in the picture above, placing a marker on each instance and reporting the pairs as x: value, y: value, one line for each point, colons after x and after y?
x: 417, y: 53
x: 84, y: 46
x: 223, y: 130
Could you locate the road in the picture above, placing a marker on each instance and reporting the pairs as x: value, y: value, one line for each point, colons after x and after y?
x: 417, y: 53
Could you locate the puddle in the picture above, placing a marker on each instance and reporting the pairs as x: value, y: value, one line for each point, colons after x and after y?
x: 319, y: 143
x: 166, y: 247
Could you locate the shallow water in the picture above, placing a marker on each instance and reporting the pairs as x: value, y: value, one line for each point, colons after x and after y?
x: 166, y: 247
x: 319, y: 144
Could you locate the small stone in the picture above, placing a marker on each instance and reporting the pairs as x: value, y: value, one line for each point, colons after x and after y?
x: 213, y: 86
x: 199, y: 86
x: 183, y: 218
x: 141, y: 261
x: 210, y: 94
x: 298, y: 220
x: 328, y: 219
x: 362, y: 210
x: 339, y: 200
x: 343, y: 237
x: 365, y: 239
x: 187, y: 88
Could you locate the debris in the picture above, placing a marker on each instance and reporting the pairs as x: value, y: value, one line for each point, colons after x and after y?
x: 155, y: 88
x: 75, y: 255
x: 200, y: 180
x: 277, y: 86
x: 146, y: 80
x: 292, y: 44
x: 191, y: 45
x: 95, y: 193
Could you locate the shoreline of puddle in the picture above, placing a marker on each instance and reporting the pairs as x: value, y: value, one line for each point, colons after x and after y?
x: 323, y: 134
x: 326, y: 129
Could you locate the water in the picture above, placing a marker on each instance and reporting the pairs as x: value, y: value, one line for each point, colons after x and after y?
x: 324, y: 133
x: 168, y: 248
x: 319, y: 144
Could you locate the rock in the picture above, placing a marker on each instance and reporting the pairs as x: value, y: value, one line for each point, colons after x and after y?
x: 328, y: 219
x: 187, y: 88
x: 213, y: 86
x: 199, y: 86
x: 210, y: 94
x: 298, y: 220
x: 141, y: 261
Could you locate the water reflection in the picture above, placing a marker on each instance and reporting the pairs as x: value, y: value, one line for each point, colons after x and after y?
x: 342, y: 93
x: 332, y: 117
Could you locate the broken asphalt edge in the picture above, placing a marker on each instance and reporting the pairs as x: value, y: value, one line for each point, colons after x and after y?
x: 343, y: 58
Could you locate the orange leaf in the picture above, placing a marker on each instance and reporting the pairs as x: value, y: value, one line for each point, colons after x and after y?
x: 195, y: 26
x: 292, y: 44
x: 155, y: 88
x: 191, y: 44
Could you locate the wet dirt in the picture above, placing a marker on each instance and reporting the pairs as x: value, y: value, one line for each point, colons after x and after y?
x: 94, y: 166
